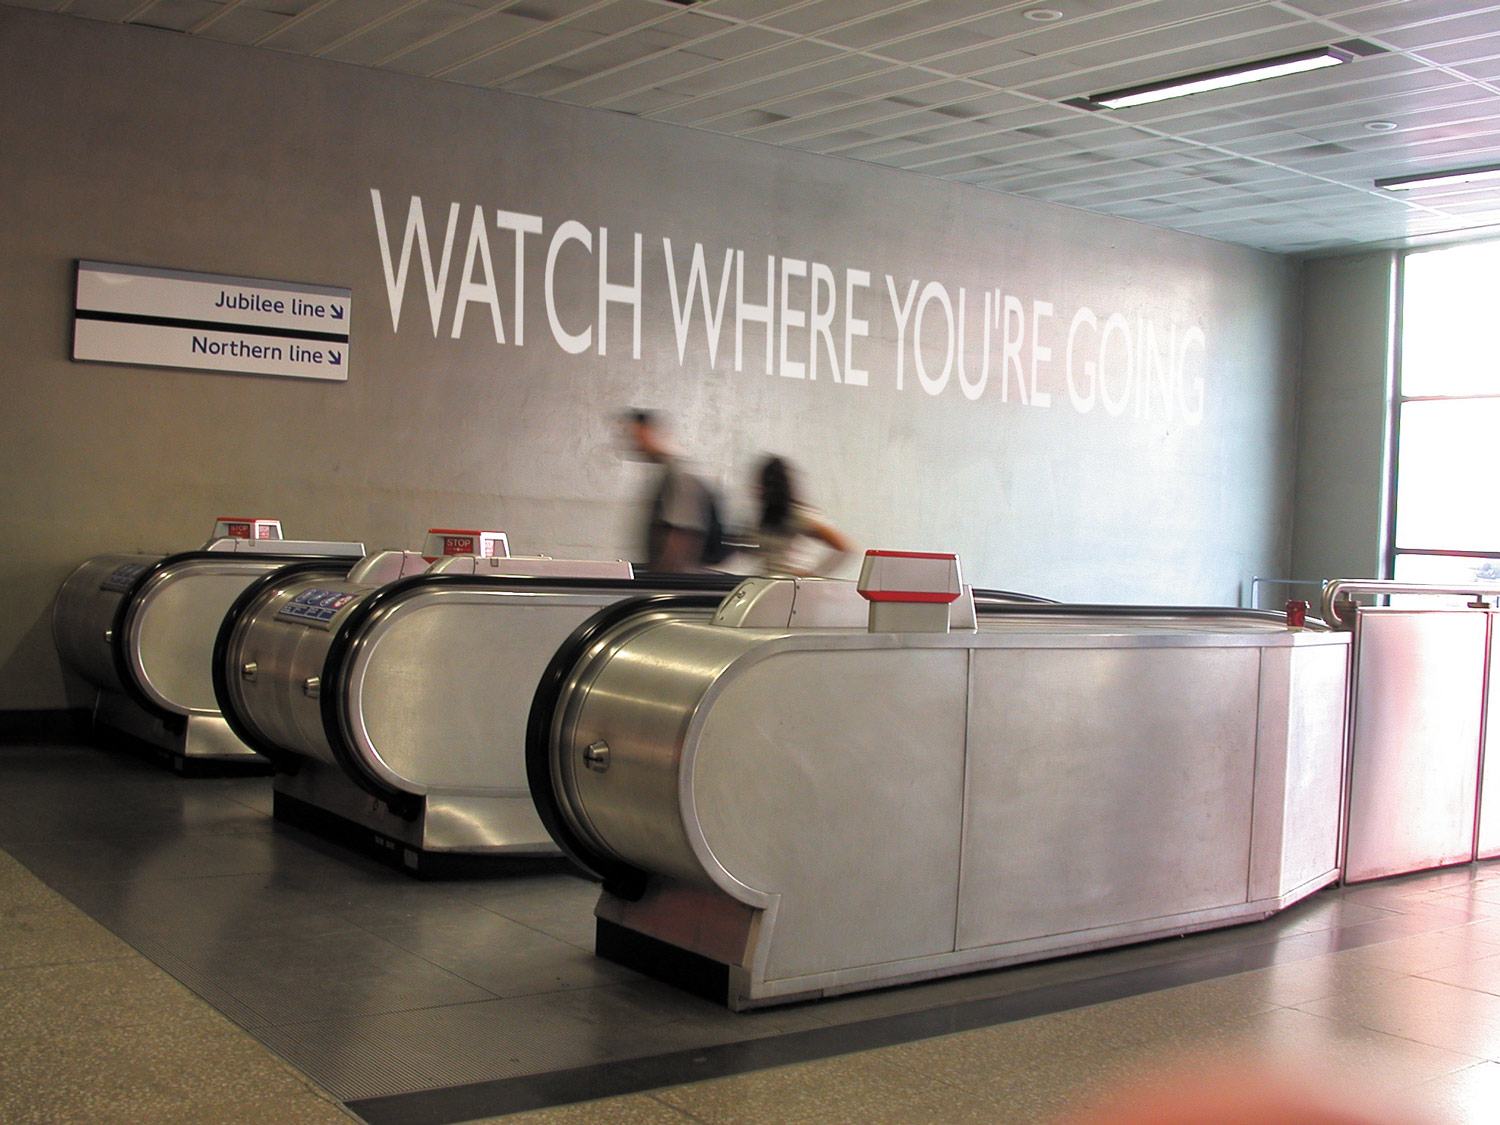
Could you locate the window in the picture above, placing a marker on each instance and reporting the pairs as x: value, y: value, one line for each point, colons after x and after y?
x: 1447, y: 516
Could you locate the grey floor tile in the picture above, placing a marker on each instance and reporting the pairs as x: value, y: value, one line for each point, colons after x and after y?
x: 1322, y: 913
x: 122, y: 991
x: 1008, y: 1052
x: 854, y: 1089
x: 1402, y: 889
x: 19, y: 886
x: 1484, y: 929
x: 561, y: 906
x: 1297, y: 982
x: 502, y: 956
x: 1423, y: 952
x: 325, y: 977
x: 166, y: 814
x: 400, y: 901
x: 1051, y: 1087
x: 1482, y: 974
x: 1465, y: 1097
x: 51, y: 932
x: 1379, y: 1060
x: 146, y: 858
x: 372, y: 982
x: 1421, y: 1010
x: 125, y: 1073
x: 449, y: 1045
x: 635, y: 1109
x: 190, y: 914
x: 295, y: 1109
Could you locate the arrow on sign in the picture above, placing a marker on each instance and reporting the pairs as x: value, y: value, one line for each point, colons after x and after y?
x: 338, y: 312
x: 335, y: 358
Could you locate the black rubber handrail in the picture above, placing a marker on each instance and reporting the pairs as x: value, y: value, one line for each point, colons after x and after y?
x: 284, y: 759
x: 119, y: 654
x: 991, y: 596
x: 620, y: 878
x: 118, y: 651
x: 1080, y: 609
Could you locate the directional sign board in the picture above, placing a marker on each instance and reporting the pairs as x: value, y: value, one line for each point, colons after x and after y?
x: 169, y: 318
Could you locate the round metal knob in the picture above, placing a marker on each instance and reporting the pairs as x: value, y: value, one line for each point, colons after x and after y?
x: 596, y: 756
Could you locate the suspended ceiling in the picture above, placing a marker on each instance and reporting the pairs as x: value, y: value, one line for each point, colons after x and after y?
x: 975, y: 91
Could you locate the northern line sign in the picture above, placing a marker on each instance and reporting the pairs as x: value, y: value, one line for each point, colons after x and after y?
x: 207, y: 322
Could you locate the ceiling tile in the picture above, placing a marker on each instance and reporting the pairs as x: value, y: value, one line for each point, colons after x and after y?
x: 971, y: 91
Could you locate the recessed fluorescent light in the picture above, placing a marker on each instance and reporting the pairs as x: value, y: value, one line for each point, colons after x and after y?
x: 1451, y: 176
x: 1221, y: 78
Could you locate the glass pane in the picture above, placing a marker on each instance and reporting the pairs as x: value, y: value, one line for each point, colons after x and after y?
x: 1444, y: 486
x: 1447, y: 570
x: 1447, y: 323
x: 1443, y: 570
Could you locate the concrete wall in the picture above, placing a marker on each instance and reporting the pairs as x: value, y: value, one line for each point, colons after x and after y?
x: 1348, y: 310
x: 1132, y: 440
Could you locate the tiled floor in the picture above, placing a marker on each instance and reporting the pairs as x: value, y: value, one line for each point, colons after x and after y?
x: 486, y: 990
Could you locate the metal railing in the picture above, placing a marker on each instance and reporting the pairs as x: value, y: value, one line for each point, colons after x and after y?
x: 1337, y: 602
x: 1256, y: 582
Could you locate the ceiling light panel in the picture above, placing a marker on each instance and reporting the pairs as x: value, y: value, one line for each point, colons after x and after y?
x: 1284, y: 104
x: 1225, y: 78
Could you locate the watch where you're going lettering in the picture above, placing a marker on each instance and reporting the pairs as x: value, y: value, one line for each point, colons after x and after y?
x: 789, y: 317
x: 173, y: 318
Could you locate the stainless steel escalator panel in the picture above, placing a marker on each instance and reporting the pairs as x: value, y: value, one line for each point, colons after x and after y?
x: 1414, y: 764
x: 172, y: 623
x: 1487, y: 836
x: 437, y: 687
x: 1109, y: 785
x: 823, y: 811
x: 402, y: 711
x: 142, y: 629
x: 270, y: 658
x: 84, y: 613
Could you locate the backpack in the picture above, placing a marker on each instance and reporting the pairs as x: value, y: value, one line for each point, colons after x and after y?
x: 715, y: 549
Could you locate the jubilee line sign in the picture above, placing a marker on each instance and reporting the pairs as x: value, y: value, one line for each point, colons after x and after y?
x: 172, y: 318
